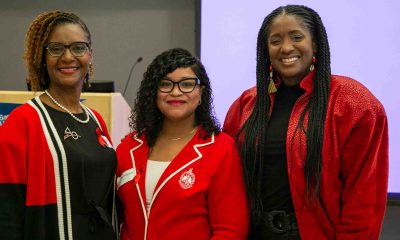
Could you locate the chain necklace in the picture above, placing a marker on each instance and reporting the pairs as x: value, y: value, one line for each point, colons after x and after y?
x: 68, y: 111
x: 186, y: 135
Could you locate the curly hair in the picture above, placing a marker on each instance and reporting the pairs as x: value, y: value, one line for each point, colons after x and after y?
x: 147, y: 118
x: 35, y: 40
x: 254, y: 130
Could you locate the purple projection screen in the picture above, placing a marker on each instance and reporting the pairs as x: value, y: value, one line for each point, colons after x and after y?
x: 364, y: 39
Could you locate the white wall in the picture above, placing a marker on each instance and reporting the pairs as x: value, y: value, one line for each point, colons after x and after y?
x: 364, y: 39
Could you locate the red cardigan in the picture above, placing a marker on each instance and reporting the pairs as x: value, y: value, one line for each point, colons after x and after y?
x: 34, y: 185
x: 355, y: 161
x: 201, y: 194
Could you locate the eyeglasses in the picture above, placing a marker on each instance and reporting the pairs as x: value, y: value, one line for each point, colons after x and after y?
x: 78, y: 49
x: 186, y: 85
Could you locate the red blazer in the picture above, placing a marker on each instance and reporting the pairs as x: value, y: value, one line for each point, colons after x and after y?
x: 201, y: 194
x: 355, y: 161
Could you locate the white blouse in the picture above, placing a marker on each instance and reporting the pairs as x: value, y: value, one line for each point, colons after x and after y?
x: 153, y: 174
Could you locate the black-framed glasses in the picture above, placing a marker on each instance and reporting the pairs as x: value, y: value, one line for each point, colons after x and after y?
x: 186, y: 85
x: 78, y: 49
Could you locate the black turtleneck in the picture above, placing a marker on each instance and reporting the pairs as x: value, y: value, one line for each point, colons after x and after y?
x: 275, y: 189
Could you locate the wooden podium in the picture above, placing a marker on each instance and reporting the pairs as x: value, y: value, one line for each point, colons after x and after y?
x: 112, y: 107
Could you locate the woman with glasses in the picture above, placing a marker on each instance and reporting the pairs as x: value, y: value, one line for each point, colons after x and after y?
x: 57, y: 163
x: 178, y: 176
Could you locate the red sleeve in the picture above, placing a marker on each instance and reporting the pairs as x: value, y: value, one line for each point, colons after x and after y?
x: 364, y: 167
x: 14, y: 148
x: 227, y: 201
x: 13, y: 172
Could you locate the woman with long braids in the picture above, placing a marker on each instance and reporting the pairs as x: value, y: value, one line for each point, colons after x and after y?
x: 179, y: 177
x: 314, y: 146
x: 57, y: 166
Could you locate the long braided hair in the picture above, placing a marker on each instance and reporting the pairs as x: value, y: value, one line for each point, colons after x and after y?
x: 253, y: 131
x: 35, y: 40
x: 147, y: 119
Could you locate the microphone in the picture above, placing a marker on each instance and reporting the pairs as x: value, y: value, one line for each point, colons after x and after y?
x: 130, y: 74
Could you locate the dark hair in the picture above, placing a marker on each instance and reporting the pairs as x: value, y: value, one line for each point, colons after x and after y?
x: 147, y: 118
x: 35, y: 39
x: 253, y: 131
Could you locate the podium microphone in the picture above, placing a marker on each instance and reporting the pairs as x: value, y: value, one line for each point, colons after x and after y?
x: 130, y: 74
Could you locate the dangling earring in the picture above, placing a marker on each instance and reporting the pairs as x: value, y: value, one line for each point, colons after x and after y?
x: 312, y: 64
x: 271, y: 85
x: 90, y: 72
x: 89, y: 75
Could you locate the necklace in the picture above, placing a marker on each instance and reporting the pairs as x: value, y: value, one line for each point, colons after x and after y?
x: 68, y: 111
x: 186, y: 135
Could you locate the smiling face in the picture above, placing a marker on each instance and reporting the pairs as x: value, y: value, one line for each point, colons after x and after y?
x: 67, y: 70
x: 175, y: 105
x: 291, y: 48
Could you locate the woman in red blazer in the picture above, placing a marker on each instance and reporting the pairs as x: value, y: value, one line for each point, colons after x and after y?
x: 178, y: 176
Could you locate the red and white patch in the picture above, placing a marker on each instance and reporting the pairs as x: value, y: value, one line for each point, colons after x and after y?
x: 187, y: 179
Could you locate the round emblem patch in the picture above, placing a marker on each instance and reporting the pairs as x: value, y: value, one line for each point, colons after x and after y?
x: 187, y: 179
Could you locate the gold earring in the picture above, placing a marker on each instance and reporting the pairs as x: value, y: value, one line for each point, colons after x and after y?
x: 271, y: 84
